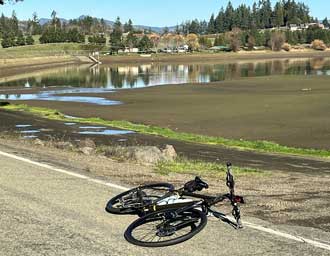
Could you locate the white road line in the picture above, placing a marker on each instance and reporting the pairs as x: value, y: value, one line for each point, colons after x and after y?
x: 80, y: 176
x: 112, y: 185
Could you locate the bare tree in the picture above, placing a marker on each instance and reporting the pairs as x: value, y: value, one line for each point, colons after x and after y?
x: 277, y: 40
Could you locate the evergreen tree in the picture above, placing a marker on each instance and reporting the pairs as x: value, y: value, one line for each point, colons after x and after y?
x: 20, y: 41
x: 128, y: 27
x: 131, y: 40
x: 29, y: 40
x: 279, y: 15
x: 326, y: 22
x: 14, y: 24
x: 211, y: 26
x: 145, y: 44
x: 8, y: 40
x: 116, y: 36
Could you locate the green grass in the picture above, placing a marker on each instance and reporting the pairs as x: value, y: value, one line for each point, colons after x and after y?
x: 40, y: 50
x: 259, y: 146
x: 185, y: 166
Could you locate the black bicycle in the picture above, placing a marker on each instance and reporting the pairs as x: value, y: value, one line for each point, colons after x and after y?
x: 169, y: 216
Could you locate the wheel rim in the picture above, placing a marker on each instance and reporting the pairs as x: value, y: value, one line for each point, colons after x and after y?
x: 161, y: 230
x: 131, y: 201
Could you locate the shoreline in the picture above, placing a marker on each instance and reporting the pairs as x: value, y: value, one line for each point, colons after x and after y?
x: 212, y: 57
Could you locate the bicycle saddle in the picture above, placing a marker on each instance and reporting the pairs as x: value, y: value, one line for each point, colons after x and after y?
x: 195, y: 185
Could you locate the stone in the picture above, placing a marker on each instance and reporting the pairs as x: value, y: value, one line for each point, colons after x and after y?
x: 145, y: 155
x: 87, y: 150
x: 39, y: 142
x: 64, y: 145
x: 87, y: 143
x: 169, y: 153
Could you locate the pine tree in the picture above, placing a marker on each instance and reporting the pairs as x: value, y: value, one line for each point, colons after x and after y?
x: 116, y: 36
x: 29, y: 40
x: 211, y: 26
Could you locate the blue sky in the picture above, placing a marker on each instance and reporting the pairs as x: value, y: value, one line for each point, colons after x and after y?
x: 142, y: 12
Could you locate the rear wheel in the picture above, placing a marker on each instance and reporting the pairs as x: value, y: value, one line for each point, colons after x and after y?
x: 165, y: 228
x: 134, y: 200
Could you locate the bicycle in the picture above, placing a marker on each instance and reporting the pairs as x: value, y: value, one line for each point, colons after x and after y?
x: 169, y: 216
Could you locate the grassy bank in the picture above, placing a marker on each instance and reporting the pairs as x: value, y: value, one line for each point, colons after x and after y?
x: 41, y: 50
x: 259, y: 146
x: 185, y: 166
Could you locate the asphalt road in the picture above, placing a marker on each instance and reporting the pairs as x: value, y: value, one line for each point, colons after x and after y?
x: 44, y: 212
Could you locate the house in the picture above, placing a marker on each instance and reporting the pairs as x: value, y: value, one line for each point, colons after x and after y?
x: 294, y: 27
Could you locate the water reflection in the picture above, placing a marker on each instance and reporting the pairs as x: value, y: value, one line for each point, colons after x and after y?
x: 128, y: 76
x: 58, y: 96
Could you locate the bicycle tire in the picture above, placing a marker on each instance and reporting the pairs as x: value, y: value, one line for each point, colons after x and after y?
x: 111, y: 205
x: 158, y: 216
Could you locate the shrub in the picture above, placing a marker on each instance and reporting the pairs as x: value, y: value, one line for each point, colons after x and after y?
x: 277, y: 40
x: 251, y: 42
x: 234, y: 39
x: 286, y: 47
x: 319, y: 45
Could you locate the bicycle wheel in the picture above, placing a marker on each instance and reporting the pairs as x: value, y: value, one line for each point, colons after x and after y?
x: 134, y: 200
x: 165, y: 228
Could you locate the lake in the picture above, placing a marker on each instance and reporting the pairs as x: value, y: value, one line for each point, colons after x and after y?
x: 139, y: 76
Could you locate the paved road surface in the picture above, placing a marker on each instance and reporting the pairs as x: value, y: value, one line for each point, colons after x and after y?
x: 49, y: 213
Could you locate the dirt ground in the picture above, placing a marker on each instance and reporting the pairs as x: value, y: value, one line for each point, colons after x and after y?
x: 58, y: 131
x: 289, y: 110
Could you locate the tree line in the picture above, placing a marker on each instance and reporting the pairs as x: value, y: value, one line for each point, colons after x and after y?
x: 261, y: 15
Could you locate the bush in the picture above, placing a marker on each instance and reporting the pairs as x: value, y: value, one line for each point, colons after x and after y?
x: 251, y: 42
x: 234, y: 39
x: 29, y: 40
x: 286, y: 47
x: 319, y: 45
x: 277, y: 40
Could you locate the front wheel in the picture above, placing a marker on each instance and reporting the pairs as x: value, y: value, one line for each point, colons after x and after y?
x: 134, y: 200
x: 165, y: 228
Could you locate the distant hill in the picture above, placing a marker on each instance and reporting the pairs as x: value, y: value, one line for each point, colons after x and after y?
x: 44, y: 21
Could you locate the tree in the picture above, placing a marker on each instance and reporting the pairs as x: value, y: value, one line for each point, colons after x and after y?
x: 279, y: 15
x: 192, y: 42
x: 145, y: 44
x: 128, y: 27
x: 277, y: 40
x: 10, y: 1
x: 234, y: 39
x: 131, y: 40
x: 8, y: 40
x: 20, y: 41
x: 116, y: 36
x: 211, y: 26
x: 326, y: 22
x: 251, y: 42
x: 14, y: 24
x: 29, y: 40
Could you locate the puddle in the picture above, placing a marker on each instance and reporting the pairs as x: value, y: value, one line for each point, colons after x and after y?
x: 106, y: 132
x: 23, y: 125
x: 69, y: 124
x: 122, y: 140
x: 30, y: 131
x: 55, y: 96
x: 30, y: 137
x: 46, y: 130
x: 70, y: 117
x: 92, y: 127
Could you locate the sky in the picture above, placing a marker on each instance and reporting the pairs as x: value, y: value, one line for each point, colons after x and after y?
x: 142, y: 12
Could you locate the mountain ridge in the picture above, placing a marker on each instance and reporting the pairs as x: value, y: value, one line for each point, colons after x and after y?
x: 44, y: 21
